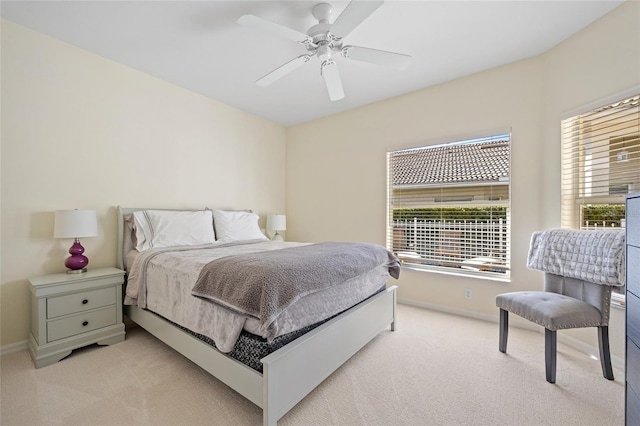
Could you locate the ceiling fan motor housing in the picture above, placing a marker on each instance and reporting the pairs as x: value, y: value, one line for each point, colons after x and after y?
x: 322, y: 12
x: 323, y: 44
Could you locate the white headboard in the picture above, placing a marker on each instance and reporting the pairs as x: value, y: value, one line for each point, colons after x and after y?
x: 124, y: 237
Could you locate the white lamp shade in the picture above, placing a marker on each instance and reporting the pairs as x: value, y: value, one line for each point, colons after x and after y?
x: 276, y: 222
x: 75, y: 224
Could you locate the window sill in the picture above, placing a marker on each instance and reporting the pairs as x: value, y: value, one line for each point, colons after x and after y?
x: 618, y: 301
x: 506, y: 278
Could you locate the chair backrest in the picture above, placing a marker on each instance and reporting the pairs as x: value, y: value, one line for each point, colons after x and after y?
x: 597, y: 295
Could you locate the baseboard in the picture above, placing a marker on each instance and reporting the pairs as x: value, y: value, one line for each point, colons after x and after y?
x: 14, y: 347
x: 572, y: 342
x: 515, y: 322
x: 594, y: 352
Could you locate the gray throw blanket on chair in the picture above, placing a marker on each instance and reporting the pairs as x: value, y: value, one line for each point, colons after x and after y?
x: 595, y: 256
x: 264, y: 284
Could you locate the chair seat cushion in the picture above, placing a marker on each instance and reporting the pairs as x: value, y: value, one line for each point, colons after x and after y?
x: 551, y: 310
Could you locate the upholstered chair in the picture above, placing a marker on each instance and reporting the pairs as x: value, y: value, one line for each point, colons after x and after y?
x: 564, y: 303
x: 581, y: 267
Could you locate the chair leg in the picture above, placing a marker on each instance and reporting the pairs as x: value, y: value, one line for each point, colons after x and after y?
x: 504, y: 330
x: 550, y: 351
x: 605, y: 355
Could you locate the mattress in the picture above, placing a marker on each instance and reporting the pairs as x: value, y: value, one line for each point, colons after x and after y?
x: 160, y: 280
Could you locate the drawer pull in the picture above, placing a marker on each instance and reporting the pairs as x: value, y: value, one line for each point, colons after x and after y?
x: 85, y: 323
x: 85, y: 301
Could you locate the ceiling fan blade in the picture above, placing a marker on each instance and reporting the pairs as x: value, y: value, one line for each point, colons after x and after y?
x: 352, y: 16
x: 379, y: 57
x: 329, y: 71
x: 283, y: 70
x: 282, y: 31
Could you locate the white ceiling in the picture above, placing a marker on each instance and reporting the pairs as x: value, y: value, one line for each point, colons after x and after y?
x: 199, y: 46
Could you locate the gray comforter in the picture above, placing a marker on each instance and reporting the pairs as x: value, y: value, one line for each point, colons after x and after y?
x: 264, y: 284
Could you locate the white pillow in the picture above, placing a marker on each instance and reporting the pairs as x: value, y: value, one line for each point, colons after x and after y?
x: 237, y: 226
x: 157, y: 228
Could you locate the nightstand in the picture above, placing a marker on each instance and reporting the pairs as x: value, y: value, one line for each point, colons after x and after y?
x: 69, y: 311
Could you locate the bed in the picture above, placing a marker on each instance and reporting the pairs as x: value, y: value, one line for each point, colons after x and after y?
x: 284, y: 378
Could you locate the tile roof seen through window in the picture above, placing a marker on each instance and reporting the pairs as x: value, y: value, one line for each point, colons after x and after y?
x: 486, y: 161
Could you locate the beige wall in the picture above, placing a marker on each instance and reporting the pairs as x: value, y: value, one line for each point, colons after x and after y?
x: 595, y: 64
x: 336, y: 167
x: 79, y: 131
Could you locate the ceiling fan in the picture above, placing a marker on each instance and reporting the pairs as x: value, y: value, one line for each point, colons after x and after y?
x: 325, y: 40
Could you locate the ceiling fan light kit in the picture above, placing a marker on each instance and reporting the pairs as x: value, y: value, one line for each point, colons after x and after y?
x: 324, y: 40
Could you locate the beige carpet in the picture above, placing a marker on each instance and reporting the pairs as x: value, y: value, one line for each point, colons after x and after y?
x: 436, y: 369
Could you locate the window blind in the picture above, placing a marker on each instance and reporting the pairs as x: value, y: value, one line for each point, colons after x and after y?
x: 600, y: 164
x: 448, y: 206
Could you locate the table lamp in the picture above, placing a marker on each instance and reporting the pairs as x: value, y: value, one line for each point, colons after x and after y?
x: 75, y: 224
x: 277, y: 222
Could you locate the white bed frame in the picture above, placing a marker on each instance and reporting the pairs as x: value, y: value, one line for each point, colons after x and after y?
x: 291, y: 372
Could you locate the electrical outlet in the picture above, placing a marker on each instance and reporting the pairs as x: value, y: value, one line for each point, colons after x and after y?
x: 467, y: 293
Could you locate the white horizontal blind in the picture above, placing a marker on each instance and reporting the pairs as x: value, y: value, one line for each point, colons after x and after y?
x: 600, y: 164
x: 448, y: 206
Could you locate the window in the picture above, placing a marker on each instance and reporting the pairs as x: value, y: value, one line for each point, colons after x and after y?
x: 600, y: 165
x: 448, y: 206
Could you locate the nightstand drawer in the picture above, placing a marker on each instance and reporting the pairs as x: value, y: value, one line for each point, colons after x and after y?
x: 79, y: 302
x: 632, y: 407
x: 633, y: 358
x: 633, y: 270
x: 81, y: 323
x: 633, y: 221
x: 633, y: 318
